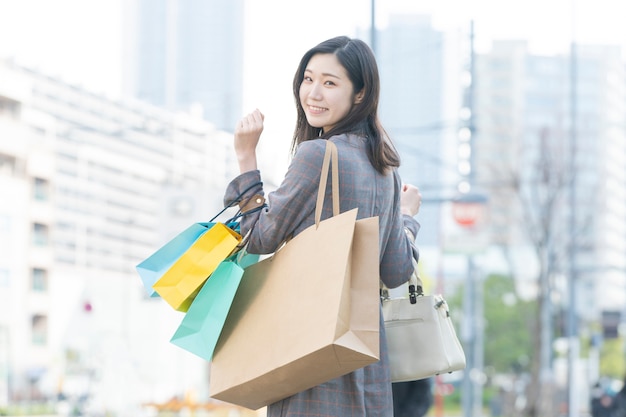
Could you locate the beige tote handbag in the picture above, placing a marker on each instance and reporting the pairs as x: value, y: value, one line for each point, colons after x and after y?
x: 421, y: 339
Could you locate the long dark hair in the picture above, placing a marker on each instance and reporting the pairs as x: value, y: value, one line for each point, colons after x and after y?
x: 362, y: 119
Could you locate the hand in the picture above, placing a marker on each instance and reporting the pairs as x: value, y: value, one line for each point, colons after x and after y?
x: 247, y: 134
x: 410, y: 200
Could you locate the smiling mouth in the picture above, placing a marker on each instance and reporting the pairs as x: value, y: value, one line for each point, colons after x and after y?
x: 315, y: 109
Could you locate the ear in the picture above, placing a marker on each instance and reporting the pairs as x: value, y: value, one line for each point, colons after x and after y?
x: 358, y: 98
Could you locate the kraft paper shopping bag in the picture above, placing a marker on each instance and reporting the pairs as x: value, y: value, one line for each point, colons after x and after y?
x: 153, y: 267
x: 182, y: 281
x: 305, y: 315
x: 202, y: 324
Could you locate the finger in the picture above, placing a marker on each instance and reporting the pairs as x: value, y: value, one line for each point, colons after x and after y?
x: 257, y: 117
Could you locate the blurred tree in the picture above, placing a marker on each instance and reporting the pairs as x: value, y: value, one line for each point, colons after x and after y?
x: 612, y: 359
x: 539, y: 181
x: 508, y: 326
x: 540, y: 187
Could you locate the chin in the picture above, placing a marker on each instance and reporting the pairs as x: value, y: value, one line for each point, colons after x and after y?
x: 314, y: 124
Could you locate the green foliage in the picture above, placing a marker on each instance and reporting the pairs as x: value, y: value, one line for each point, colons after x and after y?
x: 452, y: 402
x: 34, y: 409
x: 612, y: 359
x: 509, y: 324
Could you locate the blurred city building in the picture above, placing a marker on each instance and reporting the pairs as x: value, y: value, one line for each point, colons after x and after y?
x: 523, y: 125
x: 506, y: 119
x: 187, y: 55
x: 521, y: 107
x: 90, y: 187
x: 420, y: 71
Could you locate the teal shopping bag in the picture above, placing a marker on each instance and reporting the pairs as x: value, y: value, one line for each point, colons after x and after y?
x: 157, y: 264
x: 202, y: 324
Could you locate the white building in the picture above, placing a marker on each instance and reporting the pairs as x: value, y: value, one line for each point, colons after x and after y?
x: 90, y: 187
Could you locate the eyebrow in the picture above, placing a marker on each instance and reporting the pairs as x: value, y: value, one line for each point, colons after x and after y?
x: 325, y: 74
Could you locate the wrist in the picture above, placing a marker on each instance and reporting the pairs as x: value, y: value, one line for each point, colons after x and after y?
x: 406, y: 211
x: 247, y: 163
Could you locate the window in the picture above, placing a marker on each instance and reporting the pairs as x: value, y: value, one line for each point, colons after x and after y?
x: 9, y: 108
x: 5, y: 225
x: 39, y: 280
x: 4, y: 278
x: 40, y: 234
x: 7, y: 164
x: 41, y: 189
x: 39, y: 329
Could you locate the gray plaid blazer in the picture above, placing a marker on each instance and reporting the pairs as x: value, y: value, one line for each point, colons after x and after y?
x: 291, y: 209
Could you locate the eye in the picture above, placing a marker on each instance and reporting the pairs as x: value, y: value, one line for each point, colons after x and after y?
x: 307, y: 79
x: 329, y: 83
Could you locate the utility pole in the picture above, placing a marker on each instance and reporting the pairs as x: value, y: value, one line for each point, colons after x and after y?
x: 472, y: 331
x: 572, y: 325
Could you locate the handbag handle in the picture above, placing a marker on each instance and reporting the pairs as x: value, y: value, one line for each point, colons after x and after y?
x: 331, y: 153
x: 416, y: 288
x: 415, y: 283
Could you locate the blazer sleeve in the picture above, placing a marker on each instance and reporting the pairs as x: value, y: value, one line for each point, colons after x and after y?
x: 396, y: 266
x: 288, y: 207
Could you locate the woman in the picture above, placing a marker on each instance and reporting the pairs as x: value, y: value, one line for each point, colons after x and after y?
x: 336, y: 90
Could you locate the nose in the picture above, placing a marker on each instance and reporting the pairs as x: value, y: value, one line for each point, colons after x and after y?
x: 315, y: 91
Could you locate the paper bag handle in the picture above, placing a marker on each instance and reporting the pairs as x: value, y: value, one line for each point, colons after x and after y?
x: 331, y: 153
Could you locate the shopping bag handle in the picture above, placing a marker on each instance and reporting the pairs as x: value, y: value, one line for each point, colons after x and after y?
x: 236, y: 201
x: 331, y: 153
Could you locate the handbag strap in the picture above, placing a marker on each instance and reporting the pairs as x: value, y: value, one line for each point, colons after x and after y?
x: 331, y: 153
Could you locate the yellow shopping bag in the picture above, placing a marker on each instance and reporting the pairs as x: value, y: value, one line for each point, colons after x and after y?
x: 184, y: 279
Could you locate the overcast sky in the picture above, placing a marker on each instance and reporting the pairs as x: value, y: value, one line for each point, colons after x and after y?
x: 81, y: 40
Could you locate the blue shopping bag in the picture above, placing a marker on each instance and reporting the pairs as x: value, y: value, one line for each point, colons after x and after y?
x: 156, y: 265
x: 153, y: 267
x: 202, y: 324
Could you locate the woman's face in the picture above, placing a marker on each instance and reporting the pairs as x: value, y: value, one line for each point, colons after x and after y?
x: 326, y: 92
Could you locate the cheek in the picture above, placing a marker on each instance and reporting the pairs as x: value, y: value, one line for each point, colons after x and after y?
x: 345, y: 104
x: 303, y: 94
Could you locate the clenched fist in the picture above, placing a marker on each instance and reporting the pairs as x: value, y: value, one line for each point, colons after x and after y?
x: 410, y: 200
x: 247, y: 134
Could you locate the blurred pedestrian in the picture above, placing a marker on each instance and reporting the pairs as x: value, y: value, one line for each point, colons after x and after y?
x: 412, y: 398
x: 601, y: 402
x: 336, y: 90
x: 619, y: 402
x: 496, y: 403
